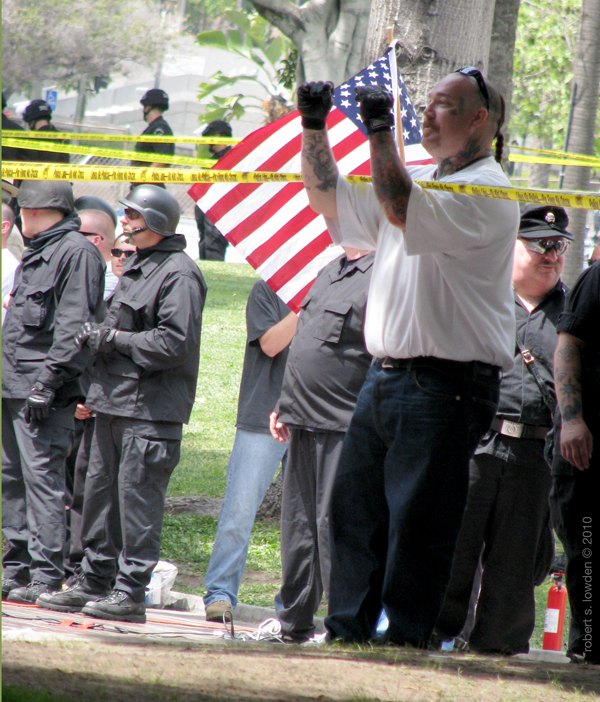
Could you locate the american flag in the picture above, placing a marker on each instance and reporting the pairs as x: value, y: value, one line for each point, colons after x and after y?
x: 271, y: 224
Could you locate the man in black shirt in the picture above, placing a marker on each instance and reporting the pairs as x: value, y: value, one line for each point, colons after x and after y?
x: 58, y: 285
x: 38, y: 115
x: 11, y: 153
x: 326, y: 368
x: 574, y: 497
x: 255, y: 455
x: 155, y: 102
x: 507, y: 507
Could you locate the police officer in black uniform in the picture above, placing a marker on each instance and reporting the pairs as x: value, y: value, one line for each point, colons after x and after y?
x: 212, y: 245
x: 59, y: 283
x: 38, y: 115
x: 155, y: 102
x: 11, y: 153
x: 143, y: 387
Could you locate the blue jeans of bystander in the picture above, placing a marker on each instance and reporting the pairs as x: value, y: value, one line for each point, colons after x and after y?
x: 253, y: 462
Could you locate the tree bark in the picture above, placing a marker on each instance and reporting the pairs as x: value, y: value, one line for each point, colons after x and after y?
x: 586, y: 75
x: 435, y: 38
x: 539, y: 173
x: 502, y: 50
x: 329, y: 35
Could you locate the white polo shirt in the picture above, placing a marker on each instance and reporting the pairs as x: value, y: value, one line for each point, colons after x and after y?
x: 443, y: 287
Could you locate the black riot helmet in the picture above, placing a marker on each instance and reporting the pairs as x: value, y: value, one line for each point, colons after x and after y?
x: 159, y: 208
x: 155, y: 98
x: 37, y: 109
x: 217, y: 127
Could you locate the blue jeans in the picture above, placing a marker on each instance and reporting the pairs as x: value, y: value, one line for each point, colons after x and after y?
x: 400, y: 493
x: 253, y: 462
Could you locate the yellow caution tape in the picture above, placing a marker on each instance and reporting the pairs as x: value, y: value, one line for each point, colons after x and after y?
x: 108, y: 153
x: 150, y: 138
x: 549, y: 152
x: 46, y: 171
x: 518, y: 158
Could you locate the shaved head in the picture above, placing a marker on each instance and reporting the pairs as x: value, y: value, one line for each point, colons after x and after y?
x: 99, y: 224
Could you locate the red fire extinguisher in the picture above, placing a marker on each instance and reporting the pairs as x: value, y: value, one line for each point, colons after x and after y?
x: 554, y: 620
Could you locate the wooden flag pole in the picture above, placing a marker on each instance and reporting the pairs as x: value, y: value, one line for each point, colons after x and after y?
x: 397, y: 111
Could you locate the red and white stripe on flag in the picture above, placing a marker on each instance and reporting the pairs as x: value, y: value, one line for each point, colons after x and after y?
x: 271, y: 224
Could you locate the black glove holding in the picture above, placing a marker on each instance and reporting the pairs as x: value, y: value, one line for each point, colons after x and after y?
x: 376, y: 104
x: 314, y: 102
x: 96, y: 336
x: 38, y: 403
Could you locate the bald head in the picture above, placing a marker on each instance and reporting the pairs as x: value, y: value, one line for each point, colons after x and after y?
x: 99, y: 229
x: 458, y: 127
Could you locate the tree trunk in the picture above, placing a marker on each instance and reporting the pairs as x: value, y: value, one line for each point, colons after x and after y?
x: 539, y: 173
x: 586, y: 75
x: 502, y: 50
x: 329, y: 35
x: 435, y: 38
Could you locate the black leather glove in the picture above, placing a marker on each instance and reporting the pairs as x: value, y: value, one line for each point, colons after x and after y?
x: 38, y: 403
x: 314, y: 102
x: 376, y: 104
x: 96, y: 337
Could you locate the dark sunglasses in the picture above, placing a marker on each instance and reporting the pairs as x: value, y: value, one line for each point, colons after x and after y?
x: 132, y: 214
x: 544, y: 246
x: 92, y: 234
x: 591, y: 261
x: 473, y: 72
x: 117, y: 253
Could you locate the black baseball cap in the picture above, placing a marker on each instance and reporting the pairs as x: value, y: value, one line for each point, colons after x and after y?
x: 46, y: 194
x: 217, y: 127
x: 538, y: 221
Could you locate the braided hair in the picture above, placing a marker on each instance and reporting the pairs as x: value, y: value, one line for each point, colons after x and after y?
x: 498, y: 110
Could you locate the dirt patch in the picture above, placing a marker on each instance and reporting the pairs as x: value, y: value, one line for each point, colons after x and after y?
x: 186, y: 673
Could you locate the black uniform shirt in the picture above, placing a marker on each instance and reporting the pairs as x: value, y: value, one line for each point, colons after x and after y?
x: 262, y: 375
x: 581, y: 319
x: 328, y: 362
x: 158, y: 127
x: 11, y: 153
x: 58, y: 287
x: 520, y: 396
x: 157, y: 307
x: 48, y: 156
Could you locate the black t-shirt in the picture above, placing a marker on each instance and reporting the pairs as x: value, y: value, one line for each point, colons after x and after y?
x: 262, y: 376
x: 158, y: 127
x: 328, y: 360
x: 581, y: 319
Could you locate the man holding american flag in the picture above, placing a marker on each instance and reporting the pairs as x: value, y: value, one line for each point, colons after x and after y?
x: 440, y: 325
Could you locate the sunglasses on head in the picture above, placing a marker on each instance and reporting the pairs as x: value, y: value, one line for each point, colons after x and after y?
x: 92, y: 234
x: 473, y: 72
x: 117, y: 253
x: 132, y: 214
x: 544, y: 246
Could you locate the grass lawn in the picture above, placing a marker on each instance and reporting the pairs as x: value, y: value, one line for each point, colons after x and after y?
x: 207, y: 441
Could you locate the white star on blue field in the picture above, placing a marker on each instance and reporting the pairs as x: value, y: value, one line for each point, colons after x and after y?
x: 378, y: 73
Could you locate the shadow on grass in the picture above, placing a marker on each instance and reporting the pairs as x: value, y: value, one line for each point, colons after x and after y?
x: 74, y: 686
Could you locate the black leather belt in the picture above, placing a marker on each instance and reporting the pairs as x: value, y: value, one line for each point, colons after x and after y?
x: 519, y: 431
x: 478, y: 367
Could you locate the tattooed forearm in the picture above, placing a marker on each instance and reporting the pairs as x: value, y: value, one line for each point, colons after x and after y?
x: 319, y: 172
x: 318, y: 156
x: 567, y: 376
x: 390, y: 178
x: 473, y: 151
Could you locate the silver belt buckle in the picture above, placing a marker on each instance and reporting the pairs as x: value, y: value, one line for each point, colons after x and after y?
x: 513, y: 429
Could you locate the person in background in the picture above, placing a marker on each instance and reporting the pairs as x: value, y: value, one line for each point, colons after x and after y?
x: 155, y: 103
x: 38, y: 115
x: 595, y: 255
x: 98, y: 224
x: 255, y: 455
x: 58, y: 285
x: 84, y: 417
x: 12, y: 153
x: 146, y: 358
x: 212, y: 244
x: 9, y: 262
